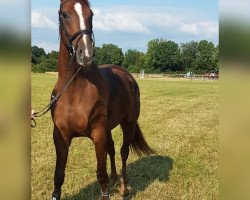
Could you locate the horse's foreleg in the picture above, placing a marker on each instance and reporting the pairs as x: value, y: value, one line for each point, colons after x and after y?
x: 111, y: 152
x: 100, y: 141
x: 62, y: 148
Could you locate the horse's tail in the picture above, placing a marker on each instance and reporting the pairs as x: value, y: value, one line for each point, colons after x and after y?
x: 139, y: 144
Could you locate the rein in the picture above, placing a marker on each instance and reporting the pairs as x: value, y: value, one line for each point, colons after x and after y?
x: 52, y: 102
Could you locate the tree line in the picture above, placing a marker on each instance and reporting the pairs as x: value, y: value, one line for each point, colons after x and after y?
x: 162, y: 56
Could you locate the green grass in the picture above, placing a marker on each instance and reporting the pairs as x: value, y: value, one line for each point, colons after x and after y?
x: 179, y: 120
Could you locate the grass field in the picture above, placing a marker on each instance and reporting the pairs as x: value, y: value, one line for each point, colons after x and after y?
x: 179, y: 120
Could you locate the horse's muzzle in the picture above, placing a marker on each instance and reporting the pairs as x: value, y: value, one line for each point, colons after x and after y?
x: 84, y: 57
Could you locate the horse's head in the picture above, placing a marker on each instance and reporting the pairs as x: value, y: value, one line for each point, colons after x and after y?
x: 75, y: 17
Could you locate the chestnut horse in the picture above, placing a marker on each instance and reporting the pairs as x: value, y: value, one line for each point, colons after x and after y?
x: 95, y: 101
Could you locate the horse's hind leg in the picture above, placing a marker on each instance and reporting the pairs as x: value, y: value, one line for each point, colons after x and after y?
x: 111, y: 152
x: 128, y: 135
x: 62, y: 148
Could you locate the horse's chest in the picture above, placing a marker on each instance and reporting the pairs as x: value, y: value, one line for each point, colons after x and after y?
x: 72, y: 114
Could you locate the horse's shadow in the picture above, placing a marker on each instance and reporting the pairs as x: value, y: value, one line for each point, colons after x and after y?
x: 141, y: 174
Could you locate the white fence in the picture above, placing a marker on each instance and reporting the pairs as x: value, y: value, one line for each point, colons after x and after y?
x: 159, y: 76
x: 180, y: 76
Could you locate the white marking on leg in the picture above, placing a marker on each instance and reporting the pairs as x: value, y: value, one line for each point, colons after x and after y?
x: 78, y: 9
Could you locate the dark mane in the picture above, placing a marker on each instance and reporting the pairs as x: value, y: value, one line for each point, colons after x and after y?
x: 87, y: 3
x: 84, y: 1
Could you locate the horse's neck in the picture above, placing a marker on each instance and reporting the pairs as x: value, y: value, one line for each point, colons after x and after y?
x: 66, y: 70
x: 63, y: 67
x: 85, y: 77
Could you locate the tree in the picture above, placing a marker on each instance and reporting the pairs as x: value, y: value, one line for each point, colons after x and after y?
x: 162, y: 56
x: 215, y: 58
x: 97, y: 56
x: 133, y: 58
x: 41, y: 61
x: 53, y: 55
x: 36, y: 54
x: 133, y: 69
x: 205, y: 61
x: 48, y: 65
x: 38, y: 69
x: 109, y: 54
x: 189, y: 53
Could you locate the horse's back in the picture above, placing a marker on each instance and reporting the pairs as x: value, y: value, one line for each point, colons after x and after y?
x: 112, y: 71
x: 117, y: 76
x: 124, y: 95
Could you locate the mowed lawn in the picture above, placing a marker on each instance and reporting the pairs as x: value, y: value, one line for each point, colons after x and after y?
x: 179, y: 119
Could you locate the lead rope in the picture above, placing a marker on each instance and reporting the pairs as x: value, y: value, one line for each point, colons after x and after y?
x: 52, y: 102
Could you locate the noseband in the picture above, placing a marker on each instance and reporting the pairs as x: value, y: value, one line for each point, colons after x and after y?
x: 71, y: 38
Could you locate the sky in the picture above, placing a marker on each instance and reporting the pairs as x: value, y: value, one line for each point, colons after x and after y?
x: 130, y: 24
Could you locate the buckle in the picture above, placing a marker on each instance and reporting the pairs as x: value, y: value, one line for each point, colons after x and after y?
x: 71, y: 50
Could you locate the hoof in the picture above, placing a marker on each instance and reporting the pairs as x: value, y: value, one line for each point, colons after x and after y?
x: 124, y: 192
x: 56, y: 197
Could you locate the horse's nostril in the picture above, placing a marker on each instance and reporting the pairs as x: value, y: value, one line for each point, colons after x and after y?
x: 81, y: 51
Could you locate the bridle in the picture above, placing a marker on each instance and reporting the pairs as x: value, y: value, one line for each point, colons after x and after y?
x: 71, y: 38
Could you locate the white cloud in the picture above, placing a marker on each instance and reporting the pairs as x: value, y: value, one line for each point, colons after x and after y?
x: 118, y: 21
x: 147, y: 22
x: 40, y: 20
x: 206, y: 28
x: 138, y: 20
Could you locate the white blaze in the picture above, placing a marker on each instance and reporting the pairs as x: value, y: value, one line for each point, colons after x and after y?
x: 78, y: 9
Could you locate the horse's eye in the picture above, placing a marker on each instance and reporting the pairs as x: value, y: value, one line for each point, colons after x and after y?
x: 65, y: 15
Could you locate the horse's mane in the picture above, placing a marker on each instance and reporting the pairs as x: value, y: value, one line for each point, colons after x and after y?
x: 87, y: 3
x: 84, y: 1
